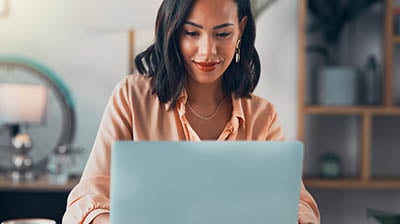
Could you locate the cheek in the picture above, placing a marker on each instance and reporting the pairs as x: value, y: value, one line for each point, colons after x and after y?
x: 228, y: 49
x: 187, y: 48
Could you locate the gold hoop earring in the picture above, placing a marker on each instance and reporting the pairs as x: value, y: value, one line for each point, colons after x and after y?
x: 237, y: 52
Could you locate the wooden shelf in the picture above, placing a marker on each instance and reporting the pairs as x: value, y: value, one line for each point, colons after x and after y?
x: 40, y: 184
x: 352, y: 183
x: 353, y: 110
x: 366, y: 128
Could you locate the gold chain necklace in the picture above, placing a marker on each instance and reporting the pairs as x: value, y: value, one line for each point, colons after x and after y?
x: 209, y: 117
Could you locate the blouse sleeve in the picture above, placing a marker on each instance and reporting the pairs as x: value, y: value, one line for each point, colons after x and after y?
x: 308, y: 209
x: 90, y: 197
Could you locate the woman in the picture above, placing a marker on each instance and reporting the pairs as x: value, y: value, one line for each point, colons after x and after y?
x: 199, y: 77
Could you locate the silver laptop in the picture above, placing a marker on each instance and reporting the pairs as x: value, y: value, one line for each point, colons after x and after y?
x: 209, y: 182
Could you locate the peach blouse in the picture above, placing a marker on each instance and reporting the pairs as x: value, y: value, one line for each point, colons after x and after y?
x: 134, y: 113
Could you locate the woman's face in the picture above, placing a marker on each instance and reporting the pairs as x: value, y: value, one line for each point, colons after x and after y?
x: 208, y: 39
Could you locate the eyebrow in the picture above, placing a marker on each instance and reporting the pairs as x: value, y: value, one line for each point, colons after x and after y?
x: 215, y: 27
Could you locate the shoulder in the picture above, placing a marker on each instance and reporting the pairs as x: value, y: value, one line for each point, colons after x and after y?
x: 258, y: 104
x: 133, y: 88
x: 135, y: 83
x: 261, y: 116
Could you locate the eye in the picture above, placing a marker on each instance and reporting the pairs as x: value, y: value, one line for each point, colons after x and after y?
x: 223, y: 34
x: 191, y: 33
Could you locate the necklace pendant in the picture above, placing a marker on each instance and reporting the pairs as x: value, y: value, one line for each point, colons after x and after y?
x: 205, y: 118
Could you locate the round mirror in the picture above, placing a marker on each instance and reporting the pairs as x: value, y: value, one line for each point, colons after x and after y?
x: 59, y: 123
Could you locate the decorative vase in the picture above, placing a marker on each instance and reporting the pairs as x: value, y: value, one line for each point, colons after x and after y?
x: 337, y: 86
x: 330, y: 166
x: 372, y: 82
x: 397, y: 21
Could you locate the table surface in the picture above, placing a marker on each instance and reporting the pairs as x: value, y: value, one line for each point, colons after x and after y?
x: 40, y: 184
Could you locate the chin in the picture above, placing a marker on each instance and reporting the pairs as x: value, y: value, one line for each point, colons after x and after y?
x: 206, y: 78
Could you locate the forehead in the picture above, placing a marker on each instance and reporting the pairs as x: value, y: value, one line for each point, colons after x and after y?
x: 211, y: 12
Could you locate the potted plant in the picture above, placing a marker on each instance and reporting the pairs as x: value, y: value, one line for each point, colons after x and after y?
x: 383, y: 217
x: 336, y: 84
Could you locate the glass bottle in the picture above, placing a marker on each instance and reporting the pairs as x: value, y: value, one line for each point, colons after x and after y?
x: 397, y: 20
x: 58, y: 166
x: 372, y: 82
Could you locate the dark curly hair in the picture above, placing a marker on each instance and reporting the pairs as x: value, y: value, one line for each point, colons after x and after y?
x: 163, y: 62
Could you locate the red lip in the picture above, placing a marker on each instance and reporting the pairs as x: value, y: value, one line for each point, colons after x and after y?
x: 206, y: 66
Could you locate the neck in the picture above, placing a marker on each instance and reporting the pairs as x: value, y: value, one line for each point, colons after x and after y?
x: 205, y: 94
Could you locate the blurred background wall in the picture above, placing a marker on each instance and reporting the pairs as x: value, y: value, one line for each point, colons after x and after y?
x: 91, y: 60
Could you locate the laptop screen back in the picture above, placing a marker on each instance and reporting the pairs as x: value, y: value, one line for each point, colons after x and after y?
x: 207, y: 182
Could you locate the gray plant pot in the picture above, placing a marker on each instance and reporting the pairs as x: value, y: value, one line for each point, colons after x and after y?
x: 337, y: 86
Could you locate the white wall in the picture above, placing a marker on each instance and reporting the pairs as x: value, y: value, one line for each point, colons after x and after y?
x: 276, y: 42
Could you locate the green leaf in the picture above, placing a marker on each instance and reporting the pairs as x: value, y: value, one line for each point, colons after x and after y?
x: 383, y: 217
x: 318, y: 9
x: 332, y: 16
x: 319, y: 49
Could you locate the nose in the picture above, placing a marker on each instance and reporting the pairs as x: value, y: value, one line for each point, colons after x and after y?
x: 207, y: 47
